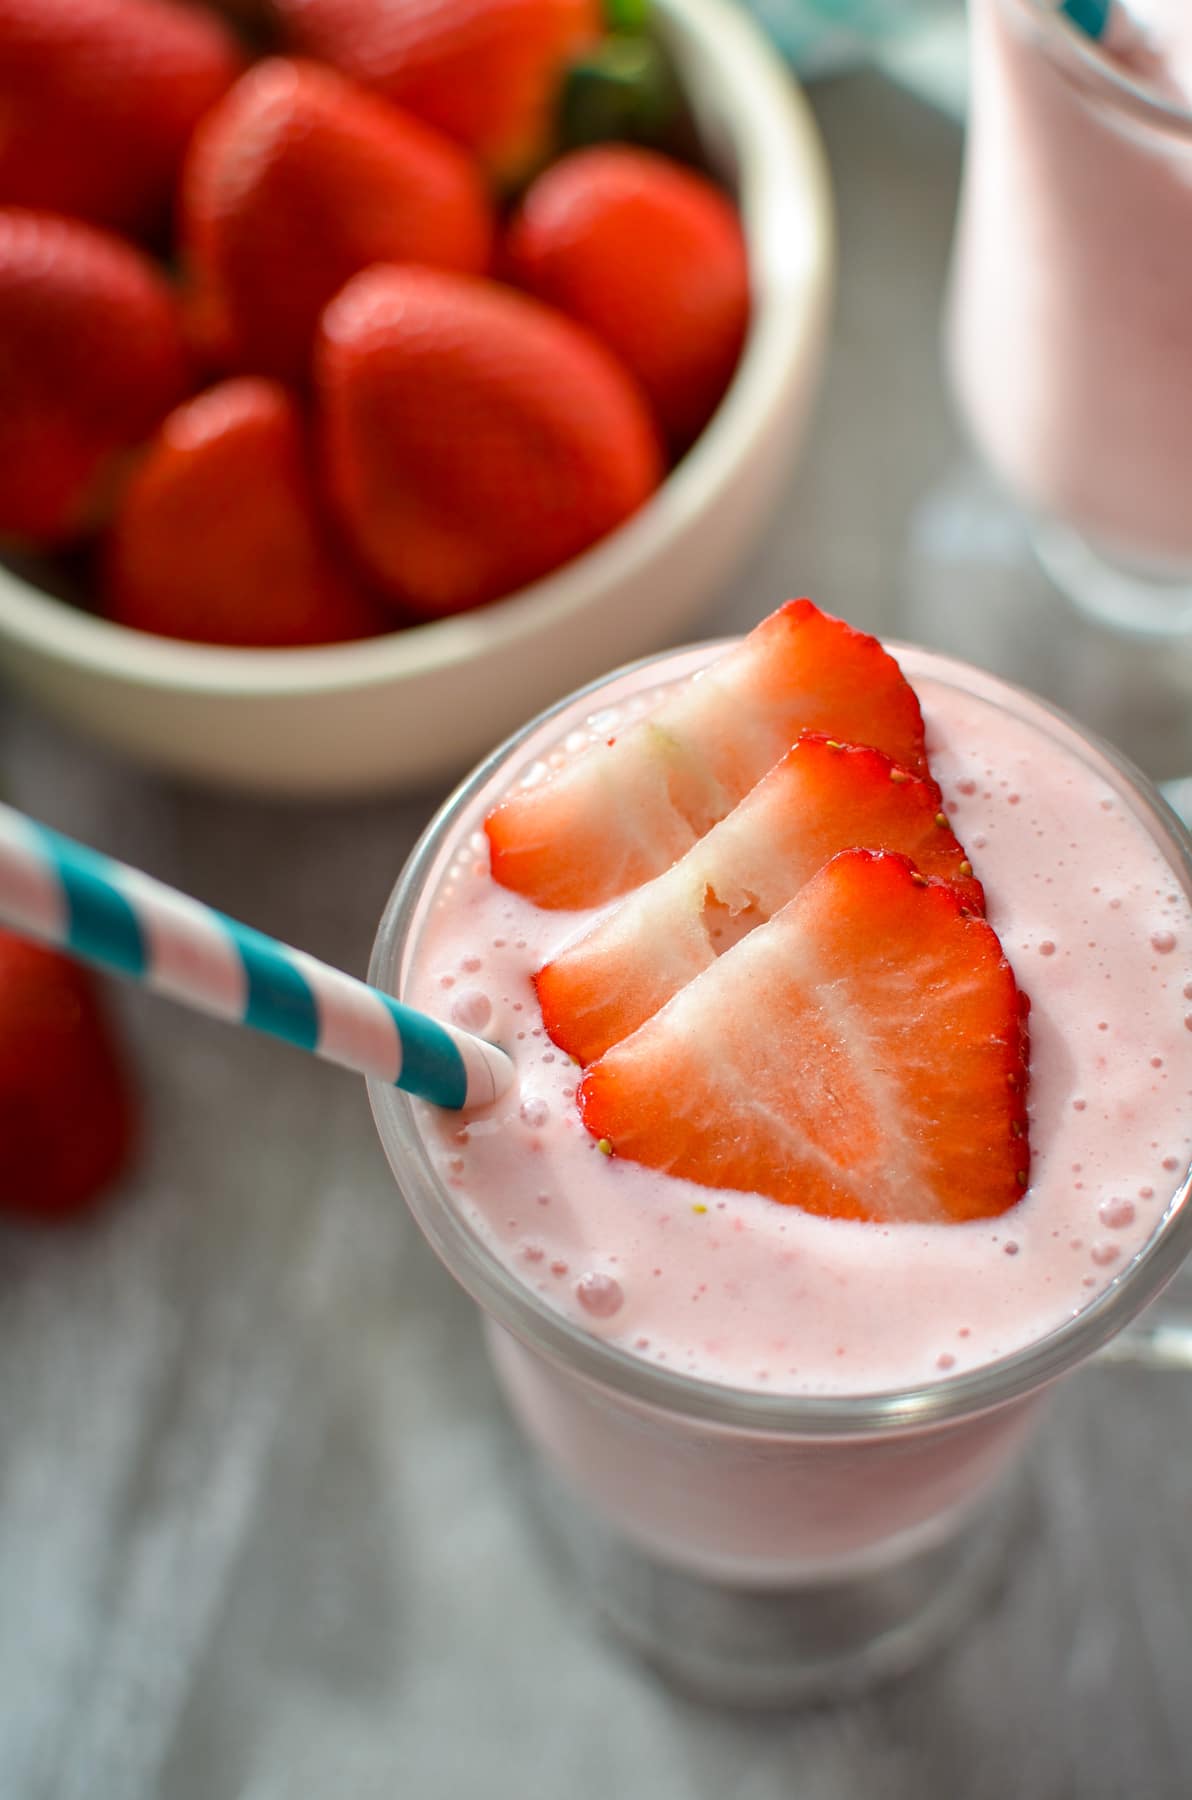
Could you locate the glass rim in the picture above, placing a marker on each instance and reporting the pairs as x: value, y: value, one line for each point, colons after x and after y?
x: 546, y: 1331
x: 1082, y: 58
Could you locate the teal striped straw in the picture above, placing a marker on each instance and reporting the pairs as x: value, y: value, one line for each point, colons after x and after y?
x: 108, y: 914
x: 1091, y: 16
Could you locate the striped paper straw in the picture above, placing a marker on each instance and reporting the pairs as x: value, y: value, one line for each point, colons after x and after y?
x: 1091, y: 16
x: 106, y: 913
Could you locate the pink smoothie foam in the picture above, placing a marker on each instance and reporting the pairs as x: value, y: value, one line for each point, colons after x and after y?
x: 737, y: 1289
x: 1071, y: 313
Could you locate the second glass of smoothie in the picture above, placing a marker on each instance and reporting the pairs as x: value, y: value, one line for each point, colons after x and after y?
x: 1070, y: 316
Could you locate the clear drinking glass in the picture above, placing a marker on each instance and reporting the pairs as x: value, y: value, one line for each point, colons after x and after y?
x: 756, y: 1547
x: 1070, y: 315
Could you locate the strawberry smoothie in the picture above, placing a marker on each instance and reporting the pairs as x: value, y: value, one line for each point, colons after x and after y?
x: 745, y: 1390
x: 1070, y: 328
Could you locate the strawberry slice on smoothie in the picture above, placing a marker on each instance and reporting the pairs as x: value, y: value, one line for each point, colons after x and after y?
x: 629, y: 807
x: 820, y: 798
x: 862, y: 1055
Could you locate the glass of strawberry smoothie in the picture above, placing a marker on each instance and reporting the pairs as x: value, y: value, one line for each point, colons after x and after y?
x: 782, y: 1449
x: 1070, y: 316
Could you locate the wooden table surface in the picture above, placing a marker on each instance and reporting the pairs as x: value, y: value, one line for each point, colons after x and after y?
x: 260, y: 1531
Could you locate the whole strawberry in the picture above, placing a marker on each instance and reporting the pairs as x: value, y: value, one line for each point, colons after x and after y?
x: 488, y: 73
x: 67, y: 1117
x: 473, y: 439
x: 98, y: 99
x: 651, y: 257
x: 91, y: 357
x: 296, y: 181
x: 218, y: 537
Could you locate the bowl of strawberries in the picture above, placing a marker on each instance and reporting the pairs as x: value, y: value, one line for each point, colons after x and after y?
x: 374, y: 371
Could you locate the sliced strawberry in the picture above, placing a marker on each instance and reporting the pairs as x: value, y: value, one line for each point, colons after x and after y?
x: 628, y: 808
x: 862, y: 1055
x: 822, y: 797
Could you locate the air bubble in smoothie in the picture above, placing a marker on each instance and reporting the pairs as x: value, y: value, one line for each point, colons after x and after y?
x: 600, y: 1295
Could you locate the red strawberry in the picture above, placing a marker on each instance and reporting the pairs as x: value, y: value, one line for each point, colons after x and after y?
x: 294, y: 182
x: 488, y: 73
x: 98, y: 99
x: 651, y: 257
x: 861, y: 1055
x: 218, y: 538
x: 474, y: 439
x: 91, y: 357
x: 821, y: 798
x: 253, y: 16
x: 66, y: 1110
x: 626, y: 809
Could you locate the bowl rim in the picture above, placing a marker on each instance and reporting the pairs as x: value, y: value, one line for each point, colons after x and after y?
x: 785, y: 203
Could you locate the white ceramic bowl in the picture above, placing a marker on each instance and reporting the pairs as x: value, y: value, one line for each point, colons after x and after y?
x: 421, y: 704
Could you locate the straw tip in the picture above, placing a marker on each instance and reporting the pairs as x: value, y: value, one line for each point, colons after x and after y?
x: 490, y: 1073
